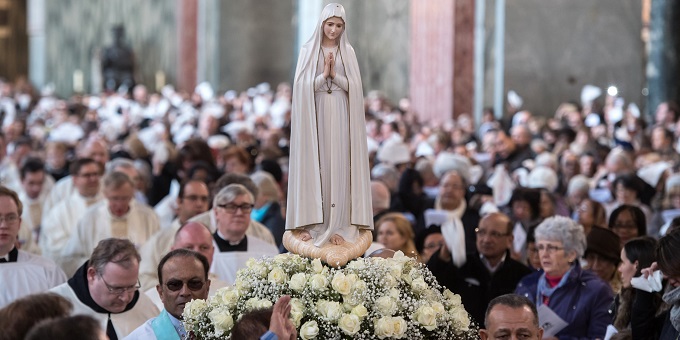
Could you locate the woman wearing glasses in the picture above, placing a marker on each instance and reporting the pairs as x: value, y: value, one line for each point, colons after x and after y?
x: 578, y: 297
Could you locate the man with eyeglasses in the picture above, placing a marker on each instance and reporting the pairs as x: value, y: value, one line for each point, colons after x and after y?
x: 232, y: 207
x: 60, y: 221
x: 21, y: 273
x: 192, y: 200
x: 486, y: 274
x: 183, y: 276
x: 119, y: 215
x: 106, y: 288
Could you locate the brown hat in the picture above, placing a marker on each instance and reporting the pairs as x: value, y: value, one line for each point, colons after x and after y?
x: 605, y: 243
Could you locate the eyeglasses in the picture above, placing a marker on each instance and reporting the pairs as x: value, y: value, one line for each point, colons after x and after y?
x: 624, y: 226
x: 9, y: 218
x: 493, y: 234
x: 434, y: 245
x: 231, y: 208
x: 90, y: 175
x: 120, y: 290
x: 548, y: 248
x: 193, y: 285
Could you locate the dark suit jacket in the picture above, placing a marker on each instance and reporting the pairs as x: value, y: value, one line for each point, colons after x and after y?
x: 475, y: 284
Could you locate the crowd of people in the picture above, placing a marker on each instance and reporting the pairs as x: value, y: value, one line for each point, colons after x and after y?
x: 101, y: 195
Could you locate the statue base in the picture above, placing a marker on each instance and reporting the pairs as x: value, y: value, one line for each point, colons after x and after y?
x: 334, y: 255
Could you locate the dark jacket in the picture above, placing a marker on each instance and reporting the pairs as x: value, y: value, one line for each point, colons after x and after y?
x: 475, y: 284
x: 668, y: 331
x: 470, y: 221
x: 583, y: 302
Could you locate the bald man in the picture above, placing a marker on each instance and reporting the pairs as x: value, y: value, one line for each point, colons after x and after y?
x: 193, y: 236
x: 487, y: 273
x: 380, y: 197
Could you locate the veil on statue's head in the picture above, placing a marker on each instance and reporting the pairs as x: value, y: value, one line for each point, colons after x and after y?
x: 311, y: 48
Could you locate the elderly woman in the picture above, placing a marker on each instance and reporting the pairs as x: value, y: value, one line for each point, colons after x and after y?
x: 396, y: 233
x: 267, y: 209
x: 577, y: 296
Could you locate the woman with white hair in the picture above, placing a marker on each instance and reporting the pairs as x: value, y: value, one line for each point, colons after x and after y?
x: 577, y: 296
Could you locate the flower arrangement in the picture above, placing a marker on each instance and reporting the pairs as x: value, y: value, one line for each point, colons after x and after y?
x: 396, y: 298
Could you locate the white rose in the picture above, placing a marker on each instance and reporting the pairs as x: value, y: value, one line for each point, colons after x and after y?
x: 277, y: 276
x: 297, y: 310
x: 357, y: 264
x: 349, y: 324
x: 382, y: 327
x: 260, y: 270
x: 230, y: 298
x: 332, y: 311
x: 282, y: 259
x: 397, y: 327
x: 394, y: 293
x: 360, y: 311
x: 389, y: 281
x: 298, y: 281
x: 438, y: 307
x: 426, y: 317
x: 353, y: 278
x: 419, y: 285
x: 454, y: 299
x: 460, y: 317
x: 318, y: 282
x: 194, y: 308
x: 309, y: 330
x: 400, y: 257
x: 386, y: 305
x: 223, y: 321
x: 341, y: 283
x: 396, y: 269
x: 317, y: 266
x: 359, y: 286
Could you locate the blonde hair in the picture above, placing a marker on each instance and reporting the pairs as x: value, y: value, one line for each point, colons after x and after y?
x: 404, y: 229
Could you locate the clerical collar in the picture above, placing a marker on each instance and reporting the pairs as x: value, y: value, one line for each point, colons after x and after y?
x: 11, y: 256
x: 226, y: 246
x: 78, y: 282
x: 492, y: 269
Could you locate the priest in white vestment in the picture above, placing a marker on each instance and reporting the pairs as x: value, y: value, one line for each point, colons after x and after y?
x: 36, y: 185
x: 21, y: 273
x: 107, y: 288
x: 118, y: 216
x: 193, y: 200
x: 193, y: 236
x: 183, y: 276
x: 60, y: 222
x: 232, y: 207
x: 94, y: 148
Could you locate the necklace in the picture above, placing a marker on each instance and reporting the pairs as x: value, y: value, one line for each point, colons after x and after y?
x: 328, y: 84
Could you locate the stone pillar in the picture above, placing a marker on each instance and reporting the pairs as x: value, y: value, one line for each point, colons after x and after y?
x: 442, y: 41
x: 188, y: 44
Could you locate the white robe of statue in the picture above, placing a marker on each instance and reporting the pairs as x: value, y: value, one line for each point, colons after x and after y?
x: 138, y: 225
x: 328, y: 182
x: 29, y: 275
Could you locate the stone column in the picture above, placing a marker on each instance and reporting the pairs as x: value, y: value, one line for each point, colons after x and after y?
x: 188, y: 44
x: 442, y: 41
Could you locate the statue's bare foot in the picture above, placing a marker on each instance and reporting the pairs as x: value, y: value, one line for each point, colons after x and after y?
x: 336, y: 240
x: 304, y: 235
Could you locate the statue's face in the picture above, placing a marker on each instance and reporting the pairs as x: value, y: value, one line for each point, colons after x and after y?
x: 333, y: 28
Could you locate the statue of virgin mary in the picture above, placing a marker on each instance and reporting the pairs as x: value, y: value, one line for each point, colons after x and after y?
x: 329, y: 198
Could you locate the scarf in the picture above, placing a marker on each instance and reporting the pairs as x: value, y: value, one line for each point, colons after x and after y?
x: 164, y: 328
x: 79, y: 285
x: 544, y: 288
x: 672, y: 297
x: 453, y: 232
x: 258, y: 213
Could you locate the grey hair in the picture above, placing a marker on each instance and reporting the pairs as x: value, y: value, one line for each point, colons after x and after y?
x: 266, y: 185
x: 566, y: 230
x: 380, y: 195
x: 578, y: 183
x: 229, y: 193
x: 385, y: 171
x: 114, y: 164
